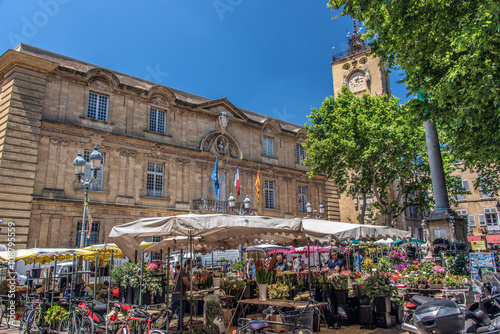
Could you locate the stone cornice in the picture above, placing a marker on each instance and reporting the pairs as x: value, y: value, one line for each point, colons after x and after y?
x: 13, y: 58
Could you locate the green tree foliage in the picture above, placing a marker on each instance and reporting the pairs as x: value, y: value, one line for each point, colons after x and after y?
x: 370, y: 137
x: 450, y: 51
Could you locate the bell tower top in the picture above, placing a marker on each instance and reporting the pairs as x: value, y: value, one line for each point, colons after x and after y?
x: 355, y: 69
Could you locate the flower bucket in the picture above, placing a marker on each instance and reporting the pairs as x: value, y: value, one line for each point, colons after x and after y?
x: 217, y: 281
x: 263, y: 291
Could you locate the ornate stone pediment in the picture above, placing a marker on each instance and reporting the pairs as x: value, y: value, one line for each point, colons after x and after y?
x: 221, y: 143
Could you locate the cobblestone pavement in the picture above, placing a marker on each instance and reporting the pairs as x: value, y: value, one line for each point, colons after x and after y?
x: 355, y: 329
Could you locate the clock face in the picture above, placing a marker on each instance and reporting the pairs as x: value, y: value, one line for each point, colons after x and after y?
x: 357, y: 81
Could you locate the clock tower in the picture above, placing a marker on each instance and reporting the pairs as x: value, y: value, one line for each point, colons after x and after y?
x: 355, y: 69
x: 362, y: 74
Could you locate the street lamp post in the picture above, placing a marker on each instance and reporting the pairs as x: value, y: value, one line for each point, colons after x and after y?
x: 314, y: 213
x: 95, y: 165
x: 246, y: 204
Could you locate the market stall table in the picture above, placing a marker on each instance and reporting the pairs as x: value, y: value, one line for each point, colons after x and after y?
x: 282, y: 303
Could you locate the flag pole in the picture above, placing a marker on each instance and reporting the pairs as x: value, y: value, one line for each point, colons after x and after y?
x: 234, y: 177
x: 253, y: 193
x: 246, y: 183
x: 208, y: 189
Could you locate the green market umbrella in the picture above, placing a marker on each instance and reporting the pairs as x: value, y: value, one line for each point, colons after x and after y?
x: 398, y: 242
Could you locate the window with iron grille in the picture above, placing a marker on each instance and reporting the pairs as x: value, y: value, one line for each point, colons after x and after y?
x: 155, y: 255
x: 98, y: 107
x: 157, y: 120
x: 93, y: 239
x: 301, y: 153
x: 302, y: 199
x: 269, y: 187
x: 268, y: 146
x: 154, y: 185
x: 96, y: 185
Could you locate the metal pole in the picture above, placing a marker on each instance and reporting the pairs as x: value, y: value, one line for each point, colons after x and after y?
x: 309, y: 276
x: 95, y: 274
x: 191, y: 285
x: 53, y: 280
x: 142, y: 275
x: 84, y: 227
x: 208, y: 189
x: 253, y: 193
x: 232, y: 183
x: 168, y: 277
x: 224, y: 173
x: 109, y: 285
x: 246, y: 183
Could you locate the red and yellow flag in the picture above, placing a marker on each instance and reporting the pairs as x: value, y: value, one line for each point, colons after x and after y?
x: 257, y: 186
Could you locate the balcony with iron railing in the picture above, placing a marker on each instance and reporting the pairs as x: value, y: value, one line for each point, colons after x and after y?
x: 350, y: 52
x: 201, y: 204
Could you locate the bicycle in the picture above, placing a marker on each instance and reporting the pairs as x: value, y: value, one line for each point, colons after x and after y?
x: 28, y: 307
x: 4, y: 314
x: 35, y: 322
x: 141, y: 316
x: 76, y: 321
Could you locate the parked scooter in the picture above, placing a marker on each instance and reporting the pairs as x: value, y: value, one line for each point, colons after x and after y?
x: 442, y: 316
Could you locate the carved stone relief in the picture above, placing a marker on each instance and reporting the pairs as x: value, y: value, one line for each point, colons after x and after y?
x: 100, y: 84
x: 158, y: 100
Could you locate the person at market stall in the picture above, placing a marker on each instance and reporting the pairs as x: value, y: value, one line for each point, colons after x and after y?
x: 358, y: 260
x: 280, y: 264
x: 182, y: 284
x: 5, y: 285
x: 22, y: 279
x: 334, y: 263
x: 297, y: 263
x: 250, y: 269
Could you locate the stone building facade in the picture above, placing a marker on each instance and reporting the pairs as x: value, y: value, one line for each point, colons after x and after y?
x: 159, y: 145
x: 479, y: 208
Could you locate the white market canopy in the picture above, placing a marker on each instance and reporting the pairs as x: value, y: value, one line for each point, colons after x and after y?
x: 223, y: 230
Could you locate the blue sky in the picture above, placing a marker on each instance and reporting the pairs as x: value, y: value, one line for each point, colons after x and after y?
x: 270, y: 57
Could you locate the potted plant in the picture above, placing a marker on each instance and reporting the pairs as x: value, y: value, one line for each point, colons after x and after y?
x: 278, y: 291
x: 128, y: 276
x: 397, y: 309
x: 238, y: 266
x: 263, y: 275
x: 233, y: 288
x: 54, y: 314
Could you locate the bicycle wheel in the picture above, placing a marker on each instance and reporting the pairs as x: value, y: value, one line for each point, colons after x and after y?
x: 33, y: 323
x: 4, y: 315
x: 87, y: 326
x: 157, y: 331
x: 123, y: 330
x: 303, y: 331
x: 24, y: 320
x: 67, y: 325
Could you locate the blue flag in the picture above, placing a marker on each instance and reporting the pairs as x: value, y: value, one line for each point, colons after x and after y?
x: 215, y: 177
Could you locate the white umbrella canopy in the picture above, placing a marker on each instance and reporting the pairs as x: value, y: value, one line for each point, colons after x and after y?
x: 222, y: 230
x: 265, y: 248
x: 213, y: 229
x: 345, y: 231
x: 180, y: 242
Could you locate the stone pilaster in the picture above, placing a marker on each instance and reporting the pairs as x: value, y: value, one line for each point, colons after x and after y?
x: 21, y: 104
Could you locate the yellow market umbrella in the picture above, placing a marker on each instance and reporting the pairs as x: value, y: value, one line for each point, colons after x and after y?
x: 105, y: 250
x: 46, y: 255
x: 14, y: 255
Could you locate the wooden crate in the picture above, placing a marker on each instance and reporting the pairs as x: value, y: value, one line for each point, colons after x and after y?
x: 276, y: 328
x: 227, y: 314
